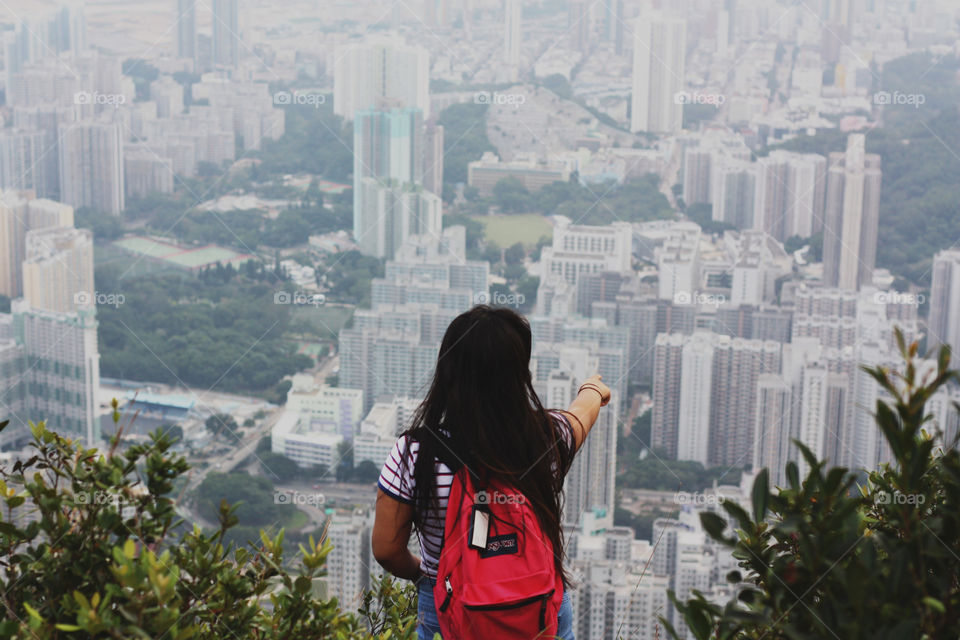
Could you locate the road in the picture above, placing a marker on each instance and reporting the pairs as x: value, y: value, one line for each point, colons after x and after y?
x: 252, y: 438
x: 314, y: 502
x: 229, y: 462
x: 670, y: 174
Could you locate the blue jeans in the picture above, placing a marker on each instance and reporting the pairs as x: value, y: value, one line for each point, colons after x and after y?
x: 429, y: 625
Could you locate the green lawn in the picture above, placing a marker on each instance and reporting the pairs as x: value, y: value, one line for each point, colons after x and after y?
x: 326, y: 320
x: 506, y: 230
x: 123, y: 260
x: 296, y: 520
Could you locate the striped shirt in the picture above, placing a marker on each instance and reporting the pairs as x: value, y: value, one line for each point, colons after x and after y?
x: 396, y: 480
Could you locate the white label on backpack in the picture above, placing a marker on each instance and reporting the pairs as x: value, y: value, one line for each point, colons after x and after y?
x: 481, y: 527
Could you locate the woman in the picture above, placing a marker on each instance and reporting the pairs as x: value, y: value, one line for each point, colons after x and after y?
x: 483, y: 404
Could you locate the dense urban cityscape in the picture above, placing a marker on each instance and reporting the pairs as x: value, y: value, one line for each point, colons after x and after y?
x: 249, y: 225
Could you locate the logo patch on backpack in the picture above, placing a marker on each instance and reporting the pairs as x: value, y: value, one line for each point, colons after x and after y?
x: 500, y: 545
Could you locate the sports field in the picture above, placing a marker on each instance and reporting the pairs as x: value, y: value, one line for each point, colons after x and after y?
x: 175, y: 255
x: 506, y: 230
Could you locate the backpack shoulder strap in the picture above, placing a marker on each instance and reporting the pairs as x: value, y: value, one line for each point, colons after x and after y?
x: 446, y: 451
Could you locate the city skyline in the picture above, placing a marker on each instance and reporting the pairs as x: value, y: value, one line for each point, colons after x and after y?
x: 251, y: 225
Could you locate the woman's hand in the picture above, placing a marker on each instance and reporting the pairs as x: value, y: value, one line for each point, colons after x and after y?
x: 585, y: 409
x: 594, y: 384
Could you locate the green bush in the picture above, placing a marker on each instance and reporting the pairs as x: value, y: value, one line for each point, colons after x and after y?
x: 90, y: 549
x: 827, y: 557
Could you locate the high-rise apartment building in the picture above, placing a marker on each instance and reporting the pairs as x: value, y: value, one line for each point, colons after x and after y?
x: 843, y: 318
x: 391, y: 213
x: 49, y: 360
x: 659, y: 57
x: 774, y: 420
x: 667, y: 367
x: 512, y: 34
x: 705, y: 395
x: 700, y: 154
x: 378, y: 74
x: 821, y: 396
x: 91, y: 166
x: 437, y: 13
x: 58, y: 269
x: 697, y: 163
x: 734, y: 185
x: 68, y: 28
x: 615, y: 24
x: 694, y: 398
x: 389, y: 145
x: 28, y: 160
x: 226, y: 33
x: 943, y: 322
x: 349, y: 564
x: 146, y: 172
x: 187, y: 29
x: 60, y: 30
x: 12, y: 385
x: 167, y: 93
x: 737, y: 365
x: 392, y: 351
x: 579, y: 23
x: 616, y: 595
x: 60, y: 386
x: 18, y: 216
x: 851, y: 216
x: 395, y: 156
x: 791, y: 189
x: 433, y: 140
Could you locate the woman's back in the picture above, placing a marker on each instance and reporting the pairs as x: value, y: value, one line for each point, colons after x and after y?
x: 397, y: 480
x: 481, y: 412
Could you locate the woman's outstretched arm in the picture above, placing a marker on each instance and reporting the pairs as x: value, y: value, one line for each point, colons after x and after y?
x: 586, y: 407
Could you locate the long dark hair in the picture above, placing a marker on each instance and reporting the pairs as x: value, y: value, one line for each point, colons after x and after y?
x: 482, y: 395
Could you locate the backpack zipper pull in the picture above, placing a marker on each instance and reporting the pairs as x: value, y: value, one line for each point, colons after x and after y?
x: 446, y: 601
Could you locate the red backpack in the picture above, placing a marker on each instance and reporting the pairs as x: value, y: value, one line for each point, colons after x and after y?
x: 496, y: 577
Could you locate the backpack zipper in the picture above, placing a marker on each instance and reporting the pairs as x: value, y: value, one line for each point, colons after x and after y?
x: 513, y: 605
